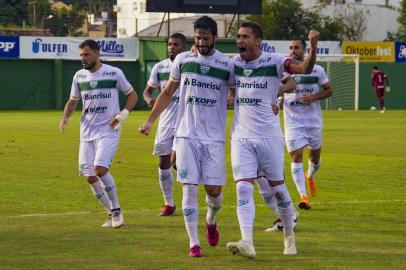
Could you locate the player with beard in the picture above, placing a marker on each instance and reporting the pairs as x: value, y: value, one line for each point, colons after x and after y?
x: 98, y: 85
x: 203, y: 82
x: 166, y: 127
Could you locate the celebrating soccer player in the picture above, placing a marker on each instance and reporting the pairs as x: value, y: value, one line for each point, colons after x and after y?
x: 166, y: 127
x: 98, y: 85
x: 203, y: 81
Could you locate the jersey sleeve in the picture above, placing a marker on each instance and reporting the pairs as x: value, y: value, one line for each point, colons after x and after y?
x: 323, y: 79
x: 122, y: 83
x: 74, y: 90
x: 283, y: 65
x: 175, y: 69
x: 231, y: 79
x: 153, y: 78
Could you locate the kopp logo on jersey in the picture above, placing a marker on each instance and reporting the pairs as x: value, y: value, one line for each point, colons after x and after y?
x: 9, y: 47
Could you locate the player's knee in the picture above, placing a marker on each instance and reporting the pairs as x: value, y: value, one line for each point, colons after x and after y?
x: 92, y: 179
x: 165, y: 162
x: 100, y: 171
x: 297, y: 156
x: 173, y: 160
x: 213, y: 191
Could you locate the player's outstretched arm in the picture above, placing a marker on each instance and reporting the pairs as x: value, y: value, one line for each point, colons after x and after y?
x: 118, y: 119
x: 306, y: 67
x: 161, y: 103
x: 67, y: 112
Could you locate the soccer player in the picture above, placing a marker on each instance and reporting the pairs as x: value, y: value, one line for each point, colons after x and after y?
x: 98, y: 85
x: 203, y: 81
x: 257, y: 139
x: 166, y: 127
x: 380, y: 82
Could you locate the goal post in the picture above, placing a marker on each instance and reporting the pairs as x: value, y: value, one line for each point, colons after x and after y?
x: 343, y: 72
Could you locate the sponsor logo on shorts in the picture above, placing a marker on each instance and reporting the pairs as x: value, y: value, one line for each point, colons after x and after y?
x: 183, y: 173
x: 292, y: 143
x: 242, y: 202
x: 201, y: 101
x: 188, y: 211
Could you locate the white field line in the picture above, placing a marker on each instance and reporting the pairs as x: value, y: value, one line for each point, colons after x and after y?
x: 231, y: 206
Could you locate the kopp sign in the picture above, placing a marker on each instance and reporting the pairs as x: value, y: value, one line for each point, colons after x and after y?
x: 9, y: 47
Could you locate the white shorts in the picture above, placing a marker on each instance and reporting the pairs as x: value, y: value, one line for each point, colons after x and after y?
x: 200, y: 162
x: 250, y: 156
x: 99, y: 152
x: 297, y: 138
x: 163, y: 141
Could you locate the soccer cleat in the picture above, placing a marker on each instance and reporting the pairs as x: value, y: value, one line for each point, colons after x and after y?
x: 242, y: 248
x: 117, y: 219
x: 278, y: 225
x: 195, y: 251
x: 108, y: 222
x: 311, y: 186
x: 382, y: 111
x: 304, y: 203
x: 212, y: 234
x: 167, y: 210
x: 290, y: 245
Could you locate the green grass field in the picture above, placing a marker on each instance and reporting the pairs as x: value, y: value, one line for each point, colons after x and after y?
x: 50, y: 219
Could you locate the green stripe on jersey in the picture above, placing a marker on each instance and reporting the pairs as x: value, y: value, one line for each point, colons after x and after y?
x: 97, y: 85
x: 163, y: 76
x: 205, y: 70
x: 306, y: 79
x: 267, y: 71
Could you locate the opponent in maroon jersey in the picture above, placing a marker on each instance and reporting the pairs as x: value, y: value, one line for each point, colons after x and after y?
x: 380, y: 82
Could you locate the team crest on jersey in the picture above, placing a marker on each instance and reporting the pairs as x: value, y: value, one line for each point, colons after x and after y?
x: 297, y: 79
x: 93, y: 84
x: 247, y: 72
x: 204, y: 69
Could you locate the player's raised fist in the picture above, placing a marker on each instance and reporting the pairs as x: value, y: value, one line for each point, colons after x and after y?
x: 145, y: 128
x: 314, y: 36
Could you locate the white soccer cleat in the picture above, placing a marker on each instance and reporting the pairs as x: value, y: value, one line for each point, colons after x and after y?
x: 242, y: 248
x: 117, y: 219
x: 278, y: 225
x: 108, y: 222
x: 290, y: 245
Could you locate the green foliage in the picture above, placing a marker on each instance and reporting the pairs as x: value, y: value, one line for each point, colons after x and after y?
x: 37, y: 11
x: 11, y: 11
x: 286, y: 19
x: 401, y: 35
x: 65, y: 22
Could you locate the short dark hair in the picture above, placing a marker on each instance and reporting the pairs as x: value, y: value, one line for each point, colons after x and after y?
x: 181, y: 37
x: 92, y: 44
x: 302, y: 41
x: 375, y: 67
x: 256, y: 29
x: 206, y: 23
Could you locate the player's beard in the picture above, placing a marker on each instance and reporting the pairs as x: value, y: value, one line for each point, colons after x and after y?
x: 209, y: 49
x: 89, y: 66
x: 172, y: 56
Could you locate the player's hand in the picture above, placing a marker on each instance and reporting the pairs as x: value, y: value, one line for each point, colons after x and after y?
x: 64, y: 122
x: 275, y: 108
x: 314, y: 37
x: 387, y: 88
x: 145, y: 128
x: 151, y: 103
x: 307, y: 99
x: 230, y: 101
x: 118, y: 119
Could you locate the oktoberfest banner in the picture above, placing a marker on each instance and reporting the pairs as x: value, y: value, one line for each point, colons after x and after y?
x: 126, y: 49
x: 371, y: 51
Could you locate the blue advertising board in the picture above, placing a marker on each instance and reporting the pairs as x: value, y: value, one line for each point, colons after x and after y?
x: 9, y: 47
x: 400, y: 52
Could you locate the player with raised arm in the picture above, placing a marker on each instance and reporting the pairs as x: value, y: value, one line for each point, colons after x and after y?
x: 98, y: 85
x: 203, y: 82
x: 166, y: 127
x: 257, y: 139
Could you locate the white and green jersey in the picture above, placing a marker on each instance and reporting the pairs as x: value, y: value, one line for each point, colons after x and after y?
x: 296, y: 113
x: 204, y: 82
x: 99, y: 93
x: 256, y: 89
x: 159, y: 77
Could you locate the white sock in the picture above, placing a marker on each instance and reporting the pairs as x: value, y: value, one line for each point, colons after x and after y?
x: 299, y: 177
x: 190, y: 213
x: 166, y: 183
x: 110, y: 189
x: 266, y: 193
x: 246, y: 209
x: 313, y: 168
x: 285, y: 207
x: 213, y: 205
x: 98, y: 191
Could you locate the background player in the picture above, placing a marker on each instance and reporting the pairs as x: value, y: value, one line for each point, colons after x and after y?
x: 380, y: 82
x: 166, y: 127
x: 98, y: 86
